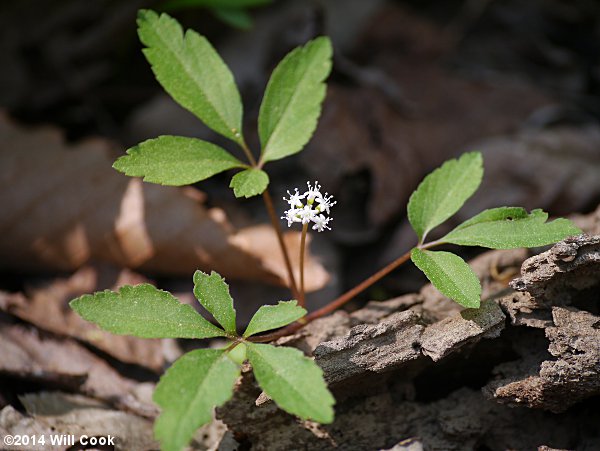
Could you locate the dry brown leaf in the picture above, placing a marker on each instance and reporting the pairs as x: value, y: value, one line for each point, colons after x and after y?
x: 64, y: 363
x: 78, y: 415
x: 48, y: 308
x: 64, y: 205
x: 554, y: 169
x: 557, y: 169
x: 260, y: 241
x: 589, y: 223
x: 361, y: 133
x: 13, y: 422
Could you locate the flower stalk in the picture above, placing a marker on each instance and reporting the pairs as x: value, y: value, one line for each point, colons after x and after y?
x: 302, y: 297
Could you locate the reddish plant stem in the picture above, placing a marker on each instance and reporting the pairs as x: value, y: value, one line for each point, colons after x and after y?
x: 302, y: 297
x: 275, y: 221
x: 341, y: 300
x: 335, y: 304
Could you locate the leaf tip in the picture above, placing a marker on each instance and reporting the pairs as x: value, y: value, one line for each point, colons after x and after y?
x: 76, y: 303
x: 474, y: 303
x: 328, y: 417
x: 145, y: 15
x: 324, y: 41
x: 198, y: 275
x: 120, y: 164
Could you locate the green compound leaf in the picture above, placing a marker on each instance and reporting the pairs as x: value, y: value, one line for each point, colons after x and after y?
x: 509, y: 228
x: 192, y: 72
x: 143, y: 311
x: 450, y: 274
x: 273, y: 316
x: 249, y: 182
x: 292, y: 102
x: 213, y: 294
x: 175, y: 160
x: 188, y: 392
x: 443, y: 192
x: 293, y: 381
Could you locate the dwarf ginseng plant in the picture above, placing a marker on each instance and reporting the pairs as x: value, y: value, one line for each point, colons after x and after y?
x: 192, y: 72
x: 202, y: 379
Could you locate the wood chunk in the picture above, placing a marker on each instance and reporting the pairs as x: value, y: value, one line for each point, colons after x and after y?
x: 371, y: 348
x: 523, y: 310
x: 467, y: 327
x: 573, y: 376
x: 555, y: 276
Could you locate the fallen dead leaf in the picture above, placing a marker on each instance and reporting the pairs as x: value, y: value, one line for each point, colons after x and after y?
x: 260, y: 240
x: 361, y: 133
x: 64, y: 205
x: 48, y: 308
x: 555, y: 169
x: 13, y: 422
x: 63, y: 363
x: 79, y: 415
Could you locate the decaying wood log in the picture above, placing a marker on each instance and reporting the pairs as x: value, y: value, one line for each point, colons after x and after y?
x: 397, y: 367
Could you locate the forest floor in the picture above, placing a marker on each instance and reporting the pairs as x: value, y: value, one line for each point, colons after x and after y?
x: 414, y: 83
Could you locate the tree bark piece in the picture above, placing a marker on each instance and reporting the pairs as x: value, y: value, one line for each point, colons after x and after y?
x: 573, y: 375
x: 557, y: 275
x: 385, y: 373
x: 468, y: 327
x: 371, y: 348
x: 567, y: 274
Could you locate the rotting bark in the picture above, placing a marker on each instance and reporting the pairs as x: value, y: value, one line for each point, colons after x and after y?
x: 374, y: 357
x: 573, y: 376
x: 375, y: 348
x: 556, y: 276
x: 569, y: 273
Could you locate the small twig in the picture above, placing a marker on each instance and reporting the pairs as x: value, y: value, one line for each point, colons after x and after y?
x: 302, y: 298
x: 275, y: 221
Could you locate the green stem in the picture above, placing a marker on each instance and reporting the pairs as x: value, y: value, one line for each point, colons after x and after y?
x: 302, y: 298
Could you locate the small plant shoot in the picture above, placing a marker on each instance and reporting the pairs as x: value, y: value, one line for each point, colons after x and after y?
x: 203, y: 379
x: 192, y: 72
x: 194, y: 75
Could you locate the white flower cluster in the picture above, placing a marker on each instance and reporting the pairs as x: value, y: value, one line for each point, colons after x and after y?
x: 312, y: 211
